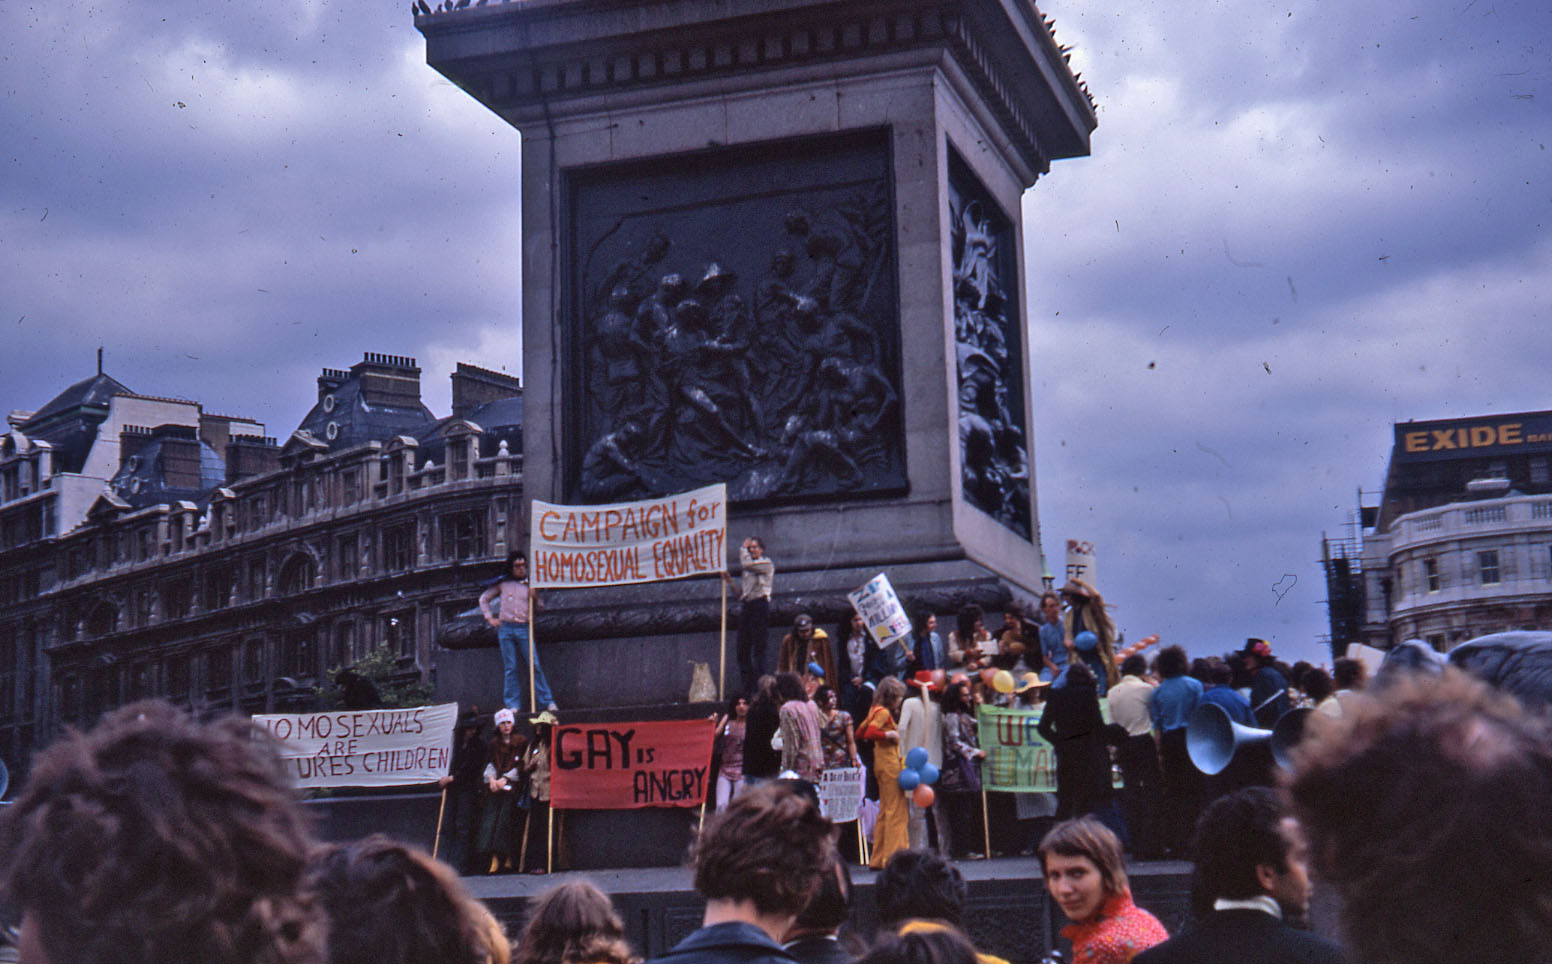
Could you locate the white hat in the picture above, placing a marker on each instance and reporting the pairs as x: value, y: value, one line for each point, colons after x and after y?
x: 505, y: 715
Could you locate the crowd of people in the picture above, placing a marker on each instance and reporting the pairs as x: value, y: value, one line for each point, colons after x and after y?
x: 155, y: 837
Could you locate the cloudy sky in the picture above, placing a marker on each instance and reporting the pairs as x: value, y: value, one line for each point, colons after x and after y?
x: 1300, y: 223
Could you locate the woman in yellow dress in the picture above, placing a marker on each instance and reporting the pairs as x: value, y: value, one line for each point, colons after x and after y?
x: 882, y: 727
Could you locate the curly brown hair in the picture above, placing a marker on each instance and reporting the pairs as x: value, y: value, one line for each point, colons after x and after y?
x: 390, y: 903
x: 574, y: 923
x: 1439, y: 778
x: 156, y: 838
x: 769, y: 847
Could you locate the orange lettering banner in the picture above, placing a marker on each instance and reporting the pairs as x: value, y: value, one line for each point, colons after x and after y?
x: 674, y: 537
x: 627, y: 766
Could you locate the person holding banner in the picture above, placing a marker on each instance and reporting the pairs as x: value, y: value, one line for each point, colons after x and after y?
x: 960, y: 781
x: 506, y: 802
x: 544, y: 824
x: 511, y: 625
x: 890, y: 832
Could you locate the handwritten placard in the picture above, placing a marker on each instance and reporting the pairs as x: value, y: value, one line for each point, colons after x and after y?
x: 627, y: 766
x: 673, y: 537
x: 364, y: 748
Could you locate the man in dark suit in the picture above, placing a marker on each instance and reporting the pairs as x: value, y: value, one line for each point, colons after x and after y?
x: 1251, y: 879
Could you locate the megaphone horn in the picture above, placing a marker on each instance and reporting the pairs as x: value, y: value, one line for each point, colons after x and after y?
x: 1212, y: 738
x: 1286, y: 734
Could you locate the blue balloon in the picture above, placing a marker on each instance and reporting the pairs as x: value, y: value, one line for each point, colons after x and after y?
x: 929, y: 774
x: 909, y: 779
x: 814, y: 669
x: 916, y: 758
x: 1086, y: 641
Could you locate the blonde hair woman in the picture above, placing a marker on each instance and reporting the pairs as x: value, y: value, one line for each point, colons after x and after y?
x: 882, y: 727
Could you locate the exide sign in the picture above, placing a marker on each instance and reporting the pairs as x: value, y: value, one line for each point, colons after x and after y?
x: 1498, y: 435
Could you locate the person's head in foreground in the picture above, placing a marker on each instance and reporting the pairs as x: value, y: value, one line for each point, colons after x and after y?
x: 156, y: 838
x: 389, y: 903
x: 1427, y: 811
x: 920, y: 885
x: 829, y: 905
x: 1247, y: 847
x: 759, y: 860
x: 573, y: 923
x: 1082, y: 863
x: 944, y: 946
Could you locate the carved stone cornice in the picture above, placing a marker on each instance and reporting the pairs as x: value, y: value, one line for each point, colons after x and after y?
x: 538, y: 60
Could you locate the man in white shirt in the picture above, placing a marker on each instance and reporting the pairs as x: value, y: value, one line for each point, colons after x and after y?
x: 1139, y: 757
x: 921, y: 724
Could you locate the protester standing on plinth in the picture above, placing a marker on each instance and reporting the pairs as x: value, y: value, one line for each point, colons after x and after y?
x: 506, y: 800
x: 921, y: 726
x: 804, y: 645
x: 1053, y: 644
x: 517, y: 601
x: 1170, y: 707
x: 959, y: 782
x: 882, y: 729
x: 1086, y: 613
x: 1074, y: 727
x: 730, y: 750
x: 541, y: 836
x: 762, y: 760
x: 1138, y: 756
x: 799, y: 725
x: 463, y: 785
x: 756, y: 574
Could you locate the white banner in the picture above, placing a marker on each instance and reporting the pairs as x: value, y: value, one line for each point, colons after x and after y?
x: 674, y: 537
x: 1081, y: 563
x: 365, y: 748
x: 840, y: 793
x: 881, y: 610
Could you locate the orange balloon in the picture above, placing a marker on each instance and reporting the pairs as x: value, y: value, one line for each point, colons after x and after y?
x: 923, y: 796
x: 938, y: 676
x: 986, y: 676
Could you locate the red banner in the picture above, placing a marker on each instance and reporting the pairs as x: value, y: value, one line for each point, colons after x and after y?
x: 626, y: 766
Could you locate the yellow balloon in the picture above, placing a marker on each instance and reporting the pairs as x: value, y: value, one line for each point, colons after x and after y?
x: 1002, y: 682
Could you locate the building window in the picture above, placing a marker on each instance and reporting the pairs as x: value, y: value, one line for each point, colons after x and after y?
x: 399, y: 633
x: 1487, y: 566
x: 347, y: 560
x: 255, y: 579
x: 218, y: 670
x: 177, y: 670
x: 218, y: 588
x: 1540, y: 470
x: 399, y: 547
x: 176, y: 598
x: 344, y: 643
x: 458, y: 460
x: 253, y: 662
x: 350, y: 486
x: 1431, y: 574
x: 300, y: 656
x: 462, y: 535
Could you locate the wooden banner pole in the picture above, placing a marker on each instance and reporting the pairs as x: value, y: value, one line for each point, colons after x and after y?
x: 722, y: 658
x: 437, y: 840
x: 986, y: 827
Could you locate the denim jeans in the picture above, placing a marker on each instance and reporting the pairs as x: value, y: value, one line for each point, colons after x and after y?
x: 513, y: 639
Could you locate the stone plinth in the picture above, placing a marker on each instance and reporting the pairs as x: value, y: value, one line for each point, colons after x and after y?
x: 777, y: 244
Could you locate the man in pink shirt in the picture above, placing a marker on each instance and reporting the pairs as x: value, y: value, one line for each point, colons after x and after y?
x: 511, y: 625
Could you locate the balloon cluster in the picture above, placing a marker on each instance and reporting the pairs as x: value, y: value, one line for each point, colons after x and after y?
x: 998, y: 679
x: 918, y: 777
x: 1138, y: 646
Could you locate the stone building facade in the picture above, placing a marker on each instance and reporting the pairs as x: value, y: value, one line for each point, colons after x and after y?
x: 148, y: 549
x: 1460, y: 544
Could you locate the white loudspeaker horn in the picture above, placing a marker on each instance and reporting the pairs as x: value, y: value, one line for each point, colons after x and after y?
x: 1212, y: 738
